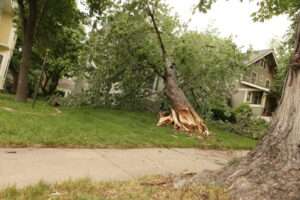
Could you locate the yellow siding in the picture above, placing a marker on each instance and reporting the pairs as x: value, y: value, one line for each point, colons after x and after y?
x: 6, y: 25
x: 7, y: 42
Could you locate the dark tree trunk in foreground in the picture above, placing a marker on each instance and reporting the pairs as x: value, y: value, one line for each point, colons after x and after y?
x: 183, y: 116
x: 22, y: 89
x: 272, y: 170
x: 28, y: 29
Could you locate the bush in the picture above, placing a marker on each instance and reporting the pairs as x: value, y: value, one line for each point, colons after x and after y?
x: 244, y: 123
x: 223, y: 114
x: 248, y: 125
x: 73, y: 100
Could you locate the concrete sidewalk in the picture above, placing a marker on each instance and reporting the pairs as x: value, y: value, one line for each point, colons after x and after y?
x: 28, y: 166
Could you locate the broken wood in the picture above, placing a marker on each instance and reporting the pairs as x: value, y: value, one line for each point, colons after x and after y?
x: 183, y: 116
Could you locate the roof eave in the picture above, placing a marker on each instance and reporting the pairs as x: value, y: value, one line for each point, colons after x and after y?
x: 255, y: 86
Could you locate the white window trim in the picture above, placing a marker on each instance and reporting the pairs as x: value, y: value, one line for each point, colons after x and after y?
x: 250, y: 104
x: 269, y: 83
x: 256, y: 105
x: 255, y: 86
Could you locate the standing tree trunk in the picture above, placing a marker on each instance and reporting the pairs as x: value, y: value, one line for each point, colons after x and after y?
x: 183, y: 116
x: 272, y: 170
x: 28, y: 28
x: 22, y: 89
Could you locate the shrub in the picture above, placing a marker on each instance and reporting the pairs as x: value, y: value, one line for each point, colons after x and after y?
x: 248, y: 125
x: 244, y: 123
x: 223, y: 114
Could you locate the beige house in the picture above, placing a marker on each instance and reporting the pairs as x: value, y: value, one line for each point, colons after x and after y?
x: 7, y: 37
x: 254, y: 86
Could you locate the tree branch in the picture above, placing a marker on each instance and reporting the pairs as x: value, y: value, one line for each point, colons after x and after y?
x: 43, y: 11
x: 32, y: 15
x: 156, y: 70
x: 297, y: 41
x: 158, y: 34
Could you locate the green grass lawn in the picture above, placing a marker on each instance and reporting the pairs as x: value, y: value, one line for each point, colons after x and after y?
x: 86, y: 127
x: 142, y: 189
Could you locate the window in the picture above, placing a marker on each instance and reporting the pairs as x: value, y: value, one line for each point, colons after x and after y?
x: 253, y: 77
x: 254, y: 97
x: 267, y: 83
x: 248, y: 97
x: 257, y: 98
x: 262, y: 63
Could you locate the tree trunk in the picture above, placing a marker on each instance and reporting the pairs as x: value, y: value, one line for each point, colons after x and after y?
x: 183, y: 116
x: 272, y: 170
x: 22, y: 89
x: 53, y: 84
x: 28, y: 28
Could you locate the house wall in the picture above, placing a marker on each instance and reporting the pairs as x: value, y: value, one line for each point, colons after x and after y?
x: 7, y: 42
x: 257, y: 110
x: 264, y: 70
x: 239, y: 96
x: 263, y: 73
x: 6, y: 24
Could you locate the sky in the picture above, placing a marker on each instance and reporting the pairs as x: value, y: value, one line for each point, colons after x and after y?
x: 232, y: 18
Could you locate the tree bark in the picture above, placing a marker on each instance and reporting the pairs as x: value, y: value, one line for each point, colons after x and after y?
x: 272, y: 170
x: 22, y: 89
x: 28, y: 27
x: 183, y: 116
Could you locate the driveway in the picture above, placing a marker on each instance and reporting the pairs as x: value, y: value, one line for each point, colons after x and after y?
x: 22, y: 167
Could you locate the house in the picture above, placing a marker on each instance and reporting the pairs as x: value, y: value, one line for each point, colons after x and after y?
x: 254, y: 86
x: 7, y: 37
x: 72, y: 85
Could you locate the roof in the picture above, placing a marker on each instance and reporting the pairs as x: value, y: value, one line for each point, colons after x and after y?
x: 257, y: 55
x: 255, y: 86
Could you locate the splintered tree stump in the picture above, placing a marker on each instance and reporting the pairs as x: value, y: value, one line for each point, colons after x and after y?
x: 183, y: 120
x: 183, y: 116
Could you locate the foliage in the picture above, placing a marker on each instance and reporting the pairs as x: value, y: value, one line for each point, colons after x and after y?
x: 245, y: 123
x: 270, y: 8
x: 205, y: 5
x: 126, y: 57
x: 60, y: 36
x: 223, y: 113
x: 208, y: 67
x: 267, y: 8
x: 283, y: 51
x: 90, y: 127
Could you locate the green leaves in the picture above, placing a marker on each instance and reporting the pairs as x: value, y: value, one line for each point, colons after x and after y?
x: 208, y: 66
x: 205, y: 5
x: 125, y: 51
x: 269, y: 8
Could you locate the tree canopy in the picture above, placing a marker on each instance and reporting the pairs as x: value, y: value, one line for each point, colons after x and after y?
x: 125, y: 51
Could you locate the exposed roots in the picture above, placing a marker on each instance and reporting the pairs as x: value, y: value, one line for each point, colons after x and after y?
x: 261, y: 180
x: 245, y: 181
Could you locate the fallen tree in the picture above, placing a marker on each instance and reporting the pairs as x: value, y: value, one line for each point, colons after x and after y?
x: 183, y: 116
